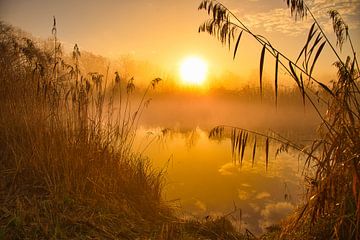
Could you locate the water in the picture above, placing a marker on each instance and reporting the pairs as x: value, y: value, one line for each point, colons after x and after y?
x: 201, y: 176
x: 203, y: 180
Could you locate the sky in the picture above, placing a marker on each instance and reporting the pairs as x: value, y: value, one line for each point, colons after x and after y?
x: 166, y: 31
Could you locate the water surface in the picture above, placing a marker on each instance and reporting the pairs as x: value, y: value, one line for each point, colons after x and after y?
x: 203, y: 180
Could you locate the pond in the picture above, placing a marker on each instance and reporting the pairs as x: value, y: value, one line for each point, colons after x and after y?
x: 203, y: 180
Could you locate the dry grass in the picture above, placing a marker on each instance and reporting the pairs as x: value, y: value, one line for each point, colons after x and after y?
x: 67, y: 165
x: 332, y: 169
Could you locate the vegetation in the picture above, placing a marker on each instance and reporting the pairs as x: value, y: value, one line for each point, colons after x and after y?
x: 66, y: 160
x: 67, y: 165
x: 332, y: 170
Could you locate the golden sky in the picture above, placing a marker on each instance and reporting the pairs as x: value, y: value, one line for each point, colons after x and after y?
x: 165, y: 31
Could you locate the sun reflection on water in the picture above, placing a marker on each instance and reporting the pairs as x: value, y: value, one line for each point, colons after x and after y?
x: 204, y: 180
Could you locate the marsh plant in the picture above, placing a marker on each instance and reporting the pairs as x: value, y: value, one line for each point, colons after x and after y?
x: 69, y: 168
x: 67, y: 164
x: 332, y: 168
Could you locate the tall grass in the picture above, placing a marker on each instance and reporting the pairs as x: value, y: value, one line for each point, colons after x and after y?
x: 68, y: 168
x: 67, y: 165
x: 332, y: 203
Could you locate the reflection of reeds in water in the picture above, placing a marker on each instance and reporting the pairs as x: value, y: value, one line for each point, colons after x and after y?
x: 333, y: 159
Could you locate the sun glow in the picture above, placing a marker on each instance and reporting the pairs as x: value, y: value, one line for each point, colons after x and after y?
x: 193, y: 71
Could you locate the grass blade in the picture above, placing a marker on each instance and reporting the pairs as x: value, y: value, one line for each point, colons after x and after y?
x: 299, y: 82
x: 244, y: 141
x: 237, y: 136
x: 267, y: 153
x: 237, y: 44
x: 229, y: 40
x: 296, y: 78
x: 276, y: 78
x: 253, y: 153
x: 233, y: 141
x: 326, y: 88
x: 310, y: 36
x: 262, y: 58
x: 317, y: 56
x: 302, y: 89
x: 316, y: 42
x: 239, y: 145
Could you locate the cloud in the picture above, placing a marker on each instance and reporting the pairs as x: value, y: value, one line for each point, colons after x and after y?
x: 273, y: 213
x: 243, y: 195
x: 279, y: 19
x: 228, y: 169
x: 199, y: 204
x: 276, y: 20
x: 235, y: 11
x: 262, y: 195
x: 255, y: 206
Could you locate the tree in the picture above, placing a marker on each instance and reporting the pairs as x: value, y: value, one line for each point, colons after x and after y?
x: 333, y: 193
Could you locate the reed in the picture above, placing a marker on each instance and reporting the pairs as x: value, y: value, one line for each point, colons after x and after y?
x: 67, y: 164
x: 68, y: 167
x: 332, y: 202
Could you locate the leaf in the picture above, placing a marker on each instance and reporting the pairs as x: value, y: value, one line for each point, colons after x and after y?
x: 310, y: 35
x: 297, y: 8
x: 317, y: 56
x: 267, y: 153
x: 253, y: 153
x: 243, y: 146
x: 311, y: 32
x: 229, y: 39
x: 209, y: 7
x: 352, y: 69
x: 201, y: 6
x: 325, y: 88
x: 317, y: 40
x: 239, y: 143
x: 223, y: 33
x: 298, y: 81
x: 302, y: 89
x: 233, y: 141
x: 214, y: 11
x: 294, y: 74
x: 276, y: 78
x: 236, y: 143
x: 237, y: 44
x: 262, y: 58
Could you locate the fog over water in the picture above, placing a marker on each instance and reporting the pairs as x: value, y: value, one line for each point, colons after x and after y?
x: 202, y: 178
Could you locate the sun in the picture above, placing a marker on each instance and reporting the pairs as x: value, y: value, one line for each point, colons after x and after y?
x: 193, y: 71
